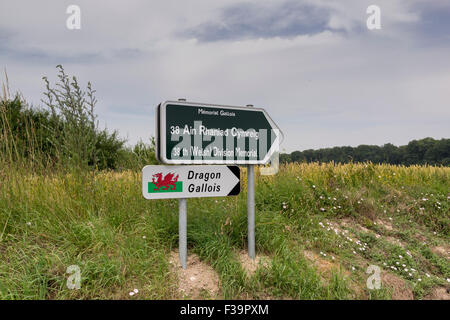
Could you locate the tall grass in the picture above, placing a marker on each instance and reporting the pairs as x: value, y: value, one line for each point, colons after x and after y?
x: 121, y: 241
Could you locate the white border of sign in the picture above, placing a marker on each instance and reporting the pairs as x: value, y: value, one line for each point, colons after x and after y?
x: 161, y: 137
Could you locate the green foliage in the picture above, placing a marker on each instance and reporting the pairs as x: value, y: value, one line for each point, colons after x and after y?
x: 109, y: 150
x: 65, y: 133
x: 72, y: 110
x: 425, y: 151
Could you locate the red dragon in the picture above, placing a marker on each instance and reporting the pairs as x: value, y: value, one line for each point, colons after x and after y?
x: 166, y: 182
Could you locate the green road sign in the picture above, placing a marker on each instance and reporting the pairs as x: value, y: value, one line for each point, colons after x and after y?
x: 198, y: 133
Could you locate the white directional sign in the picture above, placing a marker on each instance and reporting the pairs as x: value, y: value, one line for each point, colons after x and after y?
x: 170, y: 182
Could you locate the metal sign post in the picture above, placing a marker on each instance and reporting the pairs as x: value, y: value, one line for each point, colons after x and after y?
x: 183, y: 182
x: 189, y: 133
x: 182, y: 231
x: 251, y: 210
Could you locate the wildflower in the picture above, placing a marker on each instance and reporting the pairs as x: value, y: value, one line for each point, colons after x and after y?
x: 144, y: 237
x: 313, y: 186
x: 132, y: 293
x: 427, y: 275
x: 322, y: 209
x: 135, y: 290
x: 353, y: 268
x: 400, y: 256
x: 419, y: 279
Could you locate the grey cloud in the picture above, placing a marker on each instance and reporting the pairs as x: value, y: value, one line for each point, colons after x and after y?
x: 434, y: 25
x: 252, y: 20
x: 33, y: 56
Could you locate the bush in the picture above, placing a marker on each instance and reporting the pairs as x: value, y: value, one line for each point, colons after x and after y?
x: 65, y: 134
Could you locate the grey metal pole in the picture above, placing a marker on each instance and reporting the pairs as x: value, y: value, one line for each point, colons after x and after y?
x: 251, y: 210
x: 251, y: 207
x: 182, y: 231
x: 182, y: 227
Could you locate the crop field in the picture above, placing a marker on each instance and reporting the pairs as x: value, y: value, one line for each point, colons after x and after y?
x: 318, y: 229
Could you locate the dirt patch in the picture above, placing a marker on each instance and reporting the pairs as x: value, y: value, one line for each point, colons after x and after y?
x: 198, y: 281
x: 420, y: 237
x: 324, y: 266
x: 440, y: 293
x: 400, y: 290
x: 442, y: 250
x: 395, y: 241
x: 348, y: 223
x: 249, y: 265
x: 385, y: 224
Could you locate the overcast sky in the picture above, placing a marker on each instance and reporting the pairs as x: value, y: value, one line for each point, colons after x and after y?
x: 325, y: 79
